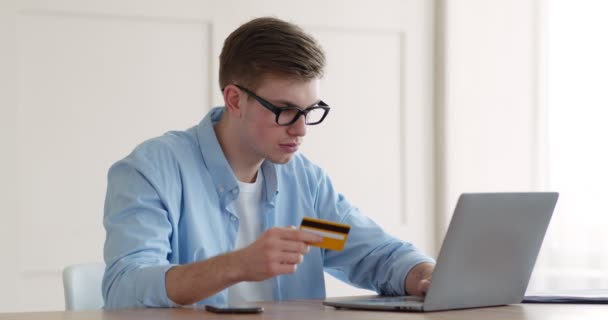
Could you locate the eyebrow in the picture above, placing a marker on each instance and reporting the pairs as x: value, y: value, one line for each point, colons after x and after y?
x: 279, y: 102
x: 289, y: 104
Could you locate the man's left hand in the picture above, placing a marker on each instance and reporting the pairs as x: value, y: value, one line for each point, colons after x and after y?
x: 418, y: 280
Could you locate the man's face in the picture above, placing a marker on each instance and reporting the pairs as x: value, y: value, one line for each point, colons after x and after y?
x: 260, y: 135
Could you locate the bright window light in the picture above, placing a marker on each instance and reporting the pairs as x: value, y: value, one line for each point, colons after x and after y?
x: 575, y: 252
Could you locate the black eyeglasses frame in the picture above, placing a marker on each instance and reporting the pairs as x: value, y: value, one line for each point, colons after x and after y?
x: 278, y: 110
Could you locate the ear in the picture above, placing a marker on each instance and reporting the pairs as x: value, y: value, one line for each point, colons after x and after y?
x: 232, y: 99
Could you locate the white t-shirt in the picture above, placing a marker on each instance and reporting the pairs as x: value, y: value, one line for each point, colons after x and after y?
x: 248, y: 207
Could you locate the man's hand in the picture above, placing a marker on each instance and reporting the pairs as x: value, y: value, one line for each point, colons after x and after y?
x: 418, y: 280
x: 277, y: 251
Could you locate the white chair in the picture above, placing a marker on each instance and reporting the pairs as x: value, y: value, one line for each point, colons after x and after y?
x: 82, y: 286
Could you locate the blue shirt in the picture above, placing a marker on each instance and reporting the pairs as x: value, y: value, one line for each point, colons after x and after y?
x: 171, y: 201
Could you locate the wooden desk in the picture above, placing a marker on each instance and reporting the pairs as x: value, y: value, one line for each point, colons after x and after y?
x: 312, y: 310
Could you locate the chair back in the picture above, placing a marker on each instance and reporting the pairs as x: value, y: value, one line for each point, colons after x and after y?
x: 82, y: 286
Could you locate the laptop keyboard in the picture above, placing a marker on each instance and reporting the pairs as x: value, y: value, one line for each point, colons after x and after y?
x: 385, y: 300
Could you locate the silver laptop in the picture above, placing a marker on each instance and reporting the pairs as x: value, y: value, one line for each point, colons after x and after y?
x: 486, y: 258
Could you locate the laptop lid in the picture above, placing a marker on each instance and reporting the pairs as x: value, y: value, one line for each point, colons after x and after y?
x: 490, y: 249
x: 487, y: 255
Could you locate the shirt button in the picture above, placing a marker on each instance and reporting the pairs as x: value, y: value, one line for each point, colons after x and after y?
x: 220, y: 189
x: 233, y: 218
x: 235, y: 191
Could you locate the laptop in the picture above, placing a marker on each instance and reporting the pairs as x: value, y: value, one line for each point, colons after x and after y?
x: 486, y: 258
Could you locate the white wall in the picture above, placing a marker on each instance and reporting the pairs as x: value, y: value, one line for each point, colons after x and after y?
x: 487, y: 99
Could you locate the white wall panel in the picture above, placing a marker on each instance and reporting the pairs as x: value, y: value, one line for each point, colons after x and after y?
x: 490, y: 108
x: 360, y: 144
x: 361, y: 139
x: 9, y: 212
x: 90, y: 88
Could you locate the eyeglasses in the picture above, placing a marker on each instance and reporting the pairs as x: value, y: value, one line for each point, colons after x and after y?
x: 289, y: 114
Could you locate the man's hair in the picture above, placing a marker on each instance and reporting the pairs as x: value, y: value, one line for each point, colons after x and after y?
x: 269, y: 46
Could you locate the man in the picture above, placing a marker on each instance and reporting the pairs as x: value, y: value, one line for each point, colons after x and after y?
x: 207, y: 215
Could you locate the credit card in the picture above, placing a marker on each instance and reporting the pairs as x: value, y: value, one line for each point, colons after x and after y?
x: 334, y: 234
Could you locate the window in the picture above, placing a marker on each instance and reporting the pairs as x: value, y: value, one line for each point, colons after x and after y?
x: 575, y: 251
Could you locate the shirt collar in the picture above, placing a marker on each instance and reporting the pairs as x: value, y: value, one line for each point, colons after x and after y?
x: 218, y: 167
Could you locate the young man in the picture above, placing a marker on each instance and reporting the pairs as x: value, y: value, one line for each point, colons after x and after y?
x: 206, y: 215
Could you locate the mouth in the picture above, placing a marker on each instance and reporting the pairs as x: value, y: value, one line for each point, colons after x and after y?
x: 289, y: 147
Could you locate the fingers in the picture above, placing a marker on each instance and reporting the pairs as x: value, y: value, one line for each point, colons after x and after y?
x: 284, y: 268
x: 298, y: 235
x: 283, y: 263
x: 418, y: 279
x: 424, y: 285
x: 294, y: 246
x: 291, y: 258
x: 277, y: 251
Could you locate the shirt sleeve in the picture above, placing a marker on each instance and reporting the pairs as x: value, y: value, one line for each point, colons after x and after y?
x: 138, y: 232
x: 371, y: 259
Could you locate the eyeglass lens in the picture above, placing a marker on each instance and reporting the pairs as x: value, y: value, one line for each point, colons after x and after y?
x: 313, y: 115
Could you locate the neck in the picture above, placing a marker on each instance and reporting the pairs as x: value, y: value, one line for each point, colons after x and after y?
x: 244, y: 166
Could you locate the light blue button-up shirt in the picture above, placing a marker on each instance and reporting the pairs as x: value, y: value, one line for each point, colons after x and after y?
x: 171, y: 201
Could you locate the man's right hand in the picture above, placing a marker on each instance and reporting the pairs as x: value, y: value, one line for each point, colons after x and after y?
x: 277, y: 251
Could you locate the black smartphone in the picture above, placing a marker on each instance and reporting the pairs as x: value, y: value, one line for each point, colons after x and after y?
x: 234, y: 309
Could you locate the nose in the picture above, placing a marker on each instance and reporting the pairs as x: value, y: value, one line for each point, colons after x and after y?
x: 298, y: 128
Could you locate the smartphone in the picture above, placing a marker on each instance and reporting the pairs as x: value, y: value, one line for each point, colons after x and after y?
x: 234, y: 309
